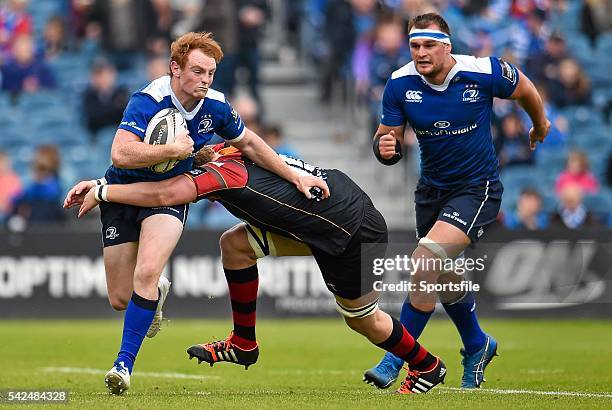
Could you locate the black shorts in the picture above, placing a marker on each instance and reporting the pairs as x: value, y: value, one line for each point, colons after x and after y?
x: 471, y: 208
x: 349, y: 274
x: 121, y: 223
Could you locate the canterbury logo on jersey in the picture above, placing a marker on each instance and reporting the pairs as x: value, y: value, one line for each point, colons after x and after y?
x: 414, y: 96
x: 508, y: 71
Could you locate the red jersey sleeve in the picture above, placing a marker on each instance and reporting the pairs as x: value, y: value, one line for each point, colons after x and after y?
x: 217, y: 176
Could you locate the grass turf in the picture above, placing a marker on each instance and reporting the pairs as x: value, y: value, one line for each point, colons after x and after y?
x: 305, y: 364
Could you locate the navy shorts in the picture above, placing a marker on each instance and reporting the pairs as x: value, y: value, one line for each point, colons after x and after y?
x: 471, y: 208
x: 121, y: 223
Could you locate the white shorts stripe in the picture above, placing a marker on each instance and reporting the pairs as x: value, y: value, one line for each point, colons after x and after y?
x: 184, y: 214
x: 480, y: 208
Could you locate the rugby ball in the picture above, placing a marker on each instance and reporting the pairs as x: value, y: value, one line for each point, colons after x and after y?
x: 162, y: 129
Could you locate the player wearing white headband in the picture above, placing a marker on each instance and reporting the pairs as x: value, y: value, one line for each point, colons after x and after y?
x: 447, y: 99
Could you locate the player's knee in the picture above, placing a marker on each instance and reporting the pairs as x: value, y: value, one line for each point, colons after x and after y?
x: 118, y: 302
x: 356, y: 324
x: 147, y: 272
x: 431, y: 258
x: 233, y: 242
x: 227, y: 242
x: 359, y: 319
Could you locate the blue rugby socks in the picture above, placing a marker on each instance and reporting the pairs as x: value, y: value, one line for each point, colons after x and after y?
x: 463, y: 314
x: 414, y: 319
x: 138, y: 317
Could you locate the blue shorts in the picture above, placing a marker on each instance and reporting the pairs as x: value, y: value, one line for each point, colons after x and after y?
x: 121, y: 223
x: 471, y: 208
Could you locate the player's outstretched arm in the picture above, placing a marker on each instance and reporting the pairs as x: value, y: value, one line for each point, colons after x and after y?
x: 129, y: 152
x: 528, y: 97
x: 254, y: 148
x: 76, y: 195
x: 173, y: 191
x: 387, y: 144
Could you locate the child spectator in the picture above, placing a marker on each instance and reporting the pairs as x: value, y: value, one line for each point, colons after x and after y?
x: 577, y: 173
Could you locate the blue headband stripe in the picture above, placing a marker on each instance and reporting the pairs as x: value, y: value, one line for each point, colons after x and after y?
x: 437, y: 36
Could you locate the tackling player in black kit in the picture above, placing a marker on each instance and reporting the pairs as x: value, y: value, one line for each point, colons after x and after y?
x: 281, y: 221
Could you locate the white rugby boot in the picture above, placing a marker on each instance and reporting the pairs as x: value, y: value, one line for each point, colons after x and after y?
x: 164, y: 287
x: 117, y: 379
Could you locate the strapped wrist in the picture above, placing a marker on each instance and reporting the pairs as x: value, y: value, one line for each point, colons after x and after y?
x: 101, y: 193
x: 99, y: 181
x: 390, y: 161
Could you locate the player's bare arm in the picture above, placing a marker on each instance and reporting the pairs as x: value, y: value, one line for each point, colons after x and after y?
x: 388, y: 139
x: 254, y: 148
x: 130, y: 152
x: 77, y: 193
x: 169, y: 192
x: 527, y: 96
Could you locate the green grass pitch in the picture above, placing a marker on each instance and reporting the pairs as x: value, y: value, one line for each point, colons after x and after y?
x: 307, y: 364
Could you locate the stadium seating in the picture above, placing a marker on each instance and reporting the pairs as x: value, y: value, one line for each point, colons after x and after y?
x: 599, y: 204
x: 34, y: 118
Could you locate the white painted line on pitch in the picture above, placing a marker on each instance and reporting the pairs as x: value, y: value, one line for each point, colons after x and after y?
x: 86, y: 370
x: 541, y: 371
x: 534, y: 392
x: 313, y: 372
x: 164, y: 375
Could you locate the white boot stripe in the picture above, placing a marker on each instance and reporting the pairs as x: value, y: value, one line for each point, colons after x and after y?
x: 420, y: 386
x: 233, y: 355
x: 425, y: 382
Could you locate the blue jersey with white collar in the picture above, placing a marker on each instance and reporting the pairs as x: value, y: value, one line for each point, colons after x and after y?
x: 212, y: 115
x: 452, y: 121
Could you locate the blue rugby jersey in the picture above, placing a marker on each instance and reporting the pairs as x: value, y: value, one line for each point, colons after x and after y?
x: 212, y: 115
x: 452, y: 121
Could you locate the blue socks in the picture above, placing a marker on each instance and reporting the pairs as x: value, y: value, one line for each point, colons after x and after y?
x: 413, y: 319
x: 463, y: 314
x: 138, y: 317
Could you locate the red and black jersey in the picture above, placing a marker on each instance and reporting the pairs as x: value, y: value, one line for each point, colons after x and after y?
x: 264, y: 199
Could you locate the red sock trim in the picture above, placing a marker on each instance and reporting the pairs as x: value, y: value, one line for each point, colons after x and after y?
x: 243, y: 343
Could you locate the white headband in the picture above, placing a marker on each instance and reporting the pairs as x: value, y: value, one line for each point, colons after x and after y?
x: 429, y: 34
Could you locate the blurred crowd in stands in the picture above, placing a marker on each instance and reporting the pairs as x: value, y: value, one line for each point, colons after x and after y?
x: 68, y: 68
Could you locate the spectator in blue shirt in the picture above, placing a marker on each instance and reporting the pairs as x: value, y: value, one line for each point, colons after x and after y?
x: 390, y: 52
x: 24, y: 72
x: 41, y: 200
x: 514, y: 142
x: 528, y: 214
